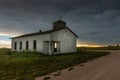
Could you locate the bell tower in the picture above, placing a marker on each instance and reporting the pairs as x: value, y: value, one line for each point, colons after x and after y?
x: 59, y: 24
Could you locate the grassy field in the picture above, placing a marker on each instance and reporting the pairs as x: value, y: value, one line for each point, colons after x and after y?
x: 28, y: 65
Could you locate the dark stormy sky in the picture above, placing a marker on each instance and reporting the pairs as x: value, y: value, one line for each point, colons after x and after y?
x: 94, y: 21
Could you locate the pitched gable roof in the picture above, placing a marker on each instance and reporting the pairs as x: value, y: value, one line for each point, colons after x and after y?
x: 44, y: 32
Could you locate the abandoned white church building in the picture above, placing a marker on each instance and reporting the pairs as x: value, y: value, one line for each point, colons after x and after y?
x: 60, y: 39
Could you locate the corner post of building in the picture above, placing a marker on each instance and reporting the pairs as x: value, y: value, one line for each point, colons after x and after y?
x: 50, y: 52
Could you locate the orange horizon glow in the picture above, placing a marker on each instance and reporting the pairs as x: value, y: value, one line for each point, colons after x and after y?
x: 89, y: 45
x: 5, y: 44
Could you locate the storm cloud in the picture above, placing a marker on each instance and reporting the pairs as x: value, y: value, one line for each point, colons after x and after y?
x: 94, y: 21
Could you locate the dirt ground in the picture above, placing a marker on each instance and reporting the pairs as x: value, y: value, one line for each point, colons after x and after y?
x: 104, y: 68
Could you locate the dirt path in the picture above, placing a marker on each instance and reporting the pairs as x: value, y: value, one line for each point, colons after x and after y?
x: 105, y: 68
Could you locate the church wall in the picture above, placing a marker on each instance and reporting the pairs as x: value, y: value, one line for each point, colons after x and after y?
x: 39, y: 39
x: 67, y: 40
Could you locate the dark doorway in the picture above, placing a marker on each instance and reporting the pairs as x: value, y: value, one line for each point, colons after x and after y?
x: 56, y: 47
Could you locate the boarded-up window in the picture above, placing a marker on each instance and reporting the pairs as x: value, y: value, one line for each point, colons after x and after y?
x: 34, y: 44
x: 15, y: 45
x: 20, y: 45
x: 27, y: 45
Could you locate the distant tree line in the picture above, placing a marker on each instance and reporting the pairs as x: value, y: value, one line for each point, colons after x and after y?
x: 117, y: 45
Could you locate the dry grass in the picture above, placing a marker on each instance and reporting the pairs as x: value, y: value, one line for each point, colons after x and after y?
x: 28, y: 65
